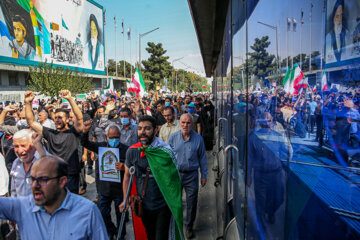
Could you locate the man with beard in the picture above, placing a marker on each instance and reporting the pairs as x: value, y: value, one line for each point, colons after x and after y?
x: 63, y: 141
x: 108, y: 192
x: 189, y: 149
x: 171, y: 126
x: 38, y: 216
x: 157, y: 182
x: 25, y: 146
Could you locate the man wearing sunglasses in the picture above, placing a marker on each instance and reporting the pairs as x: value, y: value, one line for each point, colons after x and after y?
x: 51, y: 205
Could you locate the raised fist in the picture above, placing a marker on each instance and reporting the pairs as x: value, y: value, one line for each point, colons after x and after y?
x: 29, y: 97
x: 66, y: 94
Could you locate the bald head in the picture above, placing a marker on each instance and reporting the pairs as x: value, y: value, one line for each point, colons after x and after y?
x: 51, y: 165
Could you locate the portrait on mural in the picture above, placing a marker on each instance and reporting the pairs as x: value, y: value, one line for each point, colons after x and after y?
x: 70, y: 34
x: 94, y: 43
x: 342, y: 31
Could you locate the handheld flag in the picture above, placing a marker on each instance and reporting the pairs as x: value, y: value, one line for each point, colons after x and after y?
x: 324, y: 86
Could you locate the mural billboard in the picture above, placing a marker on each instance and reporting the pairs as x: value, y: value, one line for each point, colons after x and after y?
x: 342, y: 35
x: 66, y: 32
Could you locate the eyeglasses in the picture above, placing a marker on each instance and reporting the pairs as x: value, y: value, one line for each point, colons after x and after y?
x: 42, y: 181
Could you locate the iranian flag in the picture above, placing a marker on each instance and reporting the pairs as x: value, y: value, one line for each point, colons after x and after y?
x: 286, y: 82
x: 131, y: 86
x: 138, y: 82
x: 302, y: 84
x: 162, y: 161
x: 315, y: 89
x: 296, y: 77
x: 324, y: 86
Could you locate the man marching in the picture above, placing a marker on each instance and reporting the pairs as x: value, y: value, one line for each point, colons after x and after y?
x: 157, y: 182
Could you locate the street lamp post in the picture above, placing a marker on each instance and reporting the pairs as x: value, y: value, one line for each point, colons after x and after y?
x: 140, y: 36
x: 172, y: 75
x: 277, y: 48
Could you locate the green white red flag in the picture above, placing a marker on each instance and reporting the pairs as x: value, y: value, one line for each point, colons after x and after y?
x: 286, y: 81
x: 162, y: 163
x: 324, y: 86
x: 138, y: 84
x: 296, y: 76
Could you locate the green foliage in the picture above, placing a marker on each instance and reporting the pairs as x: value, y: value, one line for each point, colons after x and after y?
x: 260, y: 61
x: 49, y: 80
x: 128, y: 66
x: 157, y: 67
x: 189, y: 80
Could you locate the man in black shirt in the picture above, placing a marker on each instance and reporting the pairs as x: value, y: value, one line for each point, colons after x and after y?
x: 108, y: 191
x: 62, y: 142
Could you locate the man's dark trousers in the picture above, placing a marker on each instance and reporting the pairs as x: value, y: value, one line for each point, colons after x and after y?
x: 104, y: 204
x: 190, y: 183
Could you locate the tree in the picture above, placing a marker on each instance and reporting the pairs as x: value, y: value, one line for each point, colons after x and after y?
x: 112, y: 68
x: 49, y: 80
x: 157, y: 67
x: 260, y: 61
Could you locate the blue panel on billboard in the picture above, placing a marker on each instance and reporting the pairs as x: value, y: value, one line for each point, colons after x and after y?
x: 68, y: 34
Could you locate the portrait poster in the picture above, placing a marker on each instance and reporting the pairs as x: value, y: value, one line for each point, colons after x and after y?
x: 107, y: 159
x: 342, y: 32
x: 68, y: 33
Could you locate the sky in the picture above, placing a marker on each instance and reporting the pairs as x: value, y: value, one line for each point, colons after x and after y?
x: 176, y: 31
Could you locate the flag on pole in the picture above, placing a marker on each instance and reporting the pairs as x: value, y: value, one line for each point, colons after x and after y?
x: 138, y: 81
x: 302, y: 84
x: 294, y: 25
x: 315, y: 89
x: 288, y: 24
x: 122, y: 25
x: 128, y: 33
x: 54, y: 26
x: 296, y: 76
x: 131, y: 86
x: 286, y: 81
x: 324, y: 86
x: 161, y: 161
x: 63, y: 24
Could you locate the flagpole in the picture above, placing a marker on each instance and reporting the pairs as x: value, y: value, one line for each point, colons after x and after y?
x: 287, y: 43
x: 311, y: 6
x: 301, y: 23
x: 123, y: 44
x: 115, y: 49
x: 322, y: 37
x: 130, y: 54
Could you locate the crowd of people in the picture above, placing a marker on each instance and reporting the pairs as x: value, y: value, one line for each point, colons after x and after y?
x: 47, y: 149
x: 330, y: 118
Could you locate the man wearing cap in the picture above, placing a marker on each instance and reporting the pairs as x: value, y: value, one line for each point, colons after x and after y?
x: 196, y: 120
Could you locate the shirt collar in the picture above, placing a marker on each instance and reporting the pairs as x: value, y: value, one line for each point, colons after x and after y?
x: 66, y: 204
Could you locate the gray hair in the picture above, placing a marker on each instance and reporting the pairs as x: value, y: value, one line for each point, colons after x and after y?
x: 24, y: 133
x: 189, y: 115
x: 112, y: 125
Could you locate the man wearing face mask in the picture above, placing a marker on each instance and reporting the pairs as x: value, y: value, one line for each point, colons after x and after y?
x: 196, y: 119
x: 25, y: 147
x: 108, y: 192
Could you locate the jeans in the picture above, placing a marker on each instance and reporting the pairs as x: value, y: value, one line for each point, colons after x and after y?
x: 157, y: 223
x: 190, y: 183
x: 104, y: 204
x: 73, y: 183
